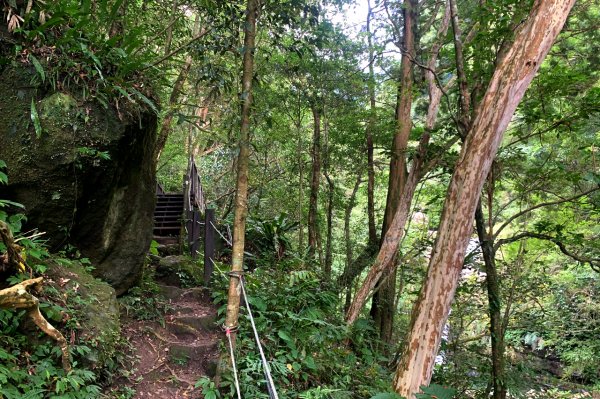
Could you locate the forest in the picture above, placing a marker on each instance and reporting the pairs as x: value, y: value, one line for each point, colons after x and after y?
x: 396, y: 199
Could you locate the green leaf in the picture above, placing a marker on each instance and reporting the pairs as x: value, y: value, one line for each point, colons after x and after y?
x: 145, y: 100
x: 38, y: 67
x: 387, y: 395
x: 258, y: 303
x: 3, y: 178
x: 88, y: 53
x: 284, y: 336
x: 4, y: 203
x: 123, y: 92
x: 436, y: 391
x: 310, y: 362
x: 35, y: 118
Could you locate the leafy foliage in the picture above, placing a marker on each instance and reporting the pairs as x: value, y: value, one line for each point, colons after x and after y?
x: 144, y: 301
x: 270, y: 237
x: 295, y: 314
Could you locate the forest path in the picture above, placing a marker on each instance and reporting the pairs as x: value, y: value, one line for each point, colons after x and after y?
x: 175, y: 353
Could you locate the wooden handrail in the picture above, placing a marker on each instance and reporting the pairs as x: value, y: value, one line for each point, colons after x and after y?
x: 192, y: 188
x: 194, y: 205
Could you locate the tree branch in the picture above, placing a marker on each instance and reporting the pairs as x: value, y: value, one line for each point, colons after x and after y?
x: 593, y: 262
x: 177, y: 50
x: 544, y: 204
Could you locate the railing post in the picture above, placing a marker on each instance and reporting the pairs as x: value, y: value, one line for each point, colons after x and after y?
x: 209, y: 244
x: 194, y: 233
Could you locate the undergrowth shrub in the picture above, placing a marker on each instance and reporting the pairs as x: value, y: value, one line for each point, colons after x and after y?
x: 145, y: 301
x: 30, y: 362
x: 311, y: 351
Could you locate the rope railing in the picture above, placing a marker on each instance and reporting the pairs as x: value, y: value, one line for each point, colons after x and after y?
x: 266, y: 369
x: 228, y: 241
x: 228, y: 332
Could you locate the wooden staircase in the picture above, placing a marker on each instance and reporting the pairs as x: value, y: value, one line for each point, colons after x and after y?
x: 180, y: 218
x: 167, y: 218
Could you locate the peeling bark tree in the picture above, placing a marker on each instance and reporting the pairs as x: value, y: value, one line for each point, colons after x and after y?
x: 383, y: 307
x: 391, y: 240
x: 511, y: 78
x: 241, y: 196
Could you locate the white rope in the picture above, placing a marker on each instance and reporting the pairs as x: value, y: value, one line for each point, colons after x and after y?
x: 235, y: 374
x: 219, y: 233
x: 270, y: 384
x: 228, y: 241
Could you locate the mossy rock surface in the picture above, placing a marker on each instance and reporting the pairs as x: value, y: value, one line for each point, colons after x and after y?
x: 179, y: 270
x: 96, y: 308
x: 102, y: 206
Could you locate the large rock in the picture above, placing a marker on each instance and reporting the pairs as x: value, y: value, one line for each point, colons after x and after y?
x: 102, y: 206
x: 94, y: 305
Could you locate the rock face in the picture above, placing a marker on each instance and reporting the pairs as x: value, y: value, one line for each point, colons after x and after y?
x: 97, y: 309
x: 70, y: 190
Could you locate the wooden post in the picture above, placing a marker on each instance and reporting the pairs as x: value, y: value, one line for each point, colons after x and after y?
x: 195, y: 234
x: 209, y: 244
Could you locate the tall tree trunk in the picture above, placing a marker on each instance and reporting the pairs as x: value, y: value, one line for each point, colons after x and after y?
x: 398, y: 163
x: 383, y: 309
x: 465, y: 98
x: 241, y: 196
x: 511, y: 78
x: 314, y: 183
x: 330, y: 194
x: 435, y: 92
x: 390, y: 246
x: 369, y: 135
x: 172, y: 20
x: 493, y: 289
x: 391, y: 240
x: 349, y: 252
x: 300, y: 181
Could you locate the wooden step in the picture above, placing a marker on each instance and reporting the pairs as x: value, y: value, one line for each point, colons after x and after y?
x: 168, y: 208
x: 169, y: 228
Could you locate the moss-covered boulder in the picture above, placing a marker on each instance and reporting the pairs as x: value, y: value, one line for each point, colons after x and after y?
x: 92, y: 306
x: 87, y: 178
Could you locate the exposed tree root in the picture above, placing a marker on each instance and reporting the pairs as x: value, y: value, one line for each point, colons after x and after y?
x: 18, y: 297
x: 178, y: 378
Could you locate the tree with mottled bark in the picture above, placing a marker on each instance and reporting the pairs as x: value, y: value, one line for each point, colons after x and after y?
x: 513, y: 74
x: 383, y: 304
x: 384, y: 264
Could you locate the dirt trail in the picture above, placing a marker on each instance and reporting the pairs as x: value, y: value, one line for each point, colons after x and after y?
x: 173, y: 356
